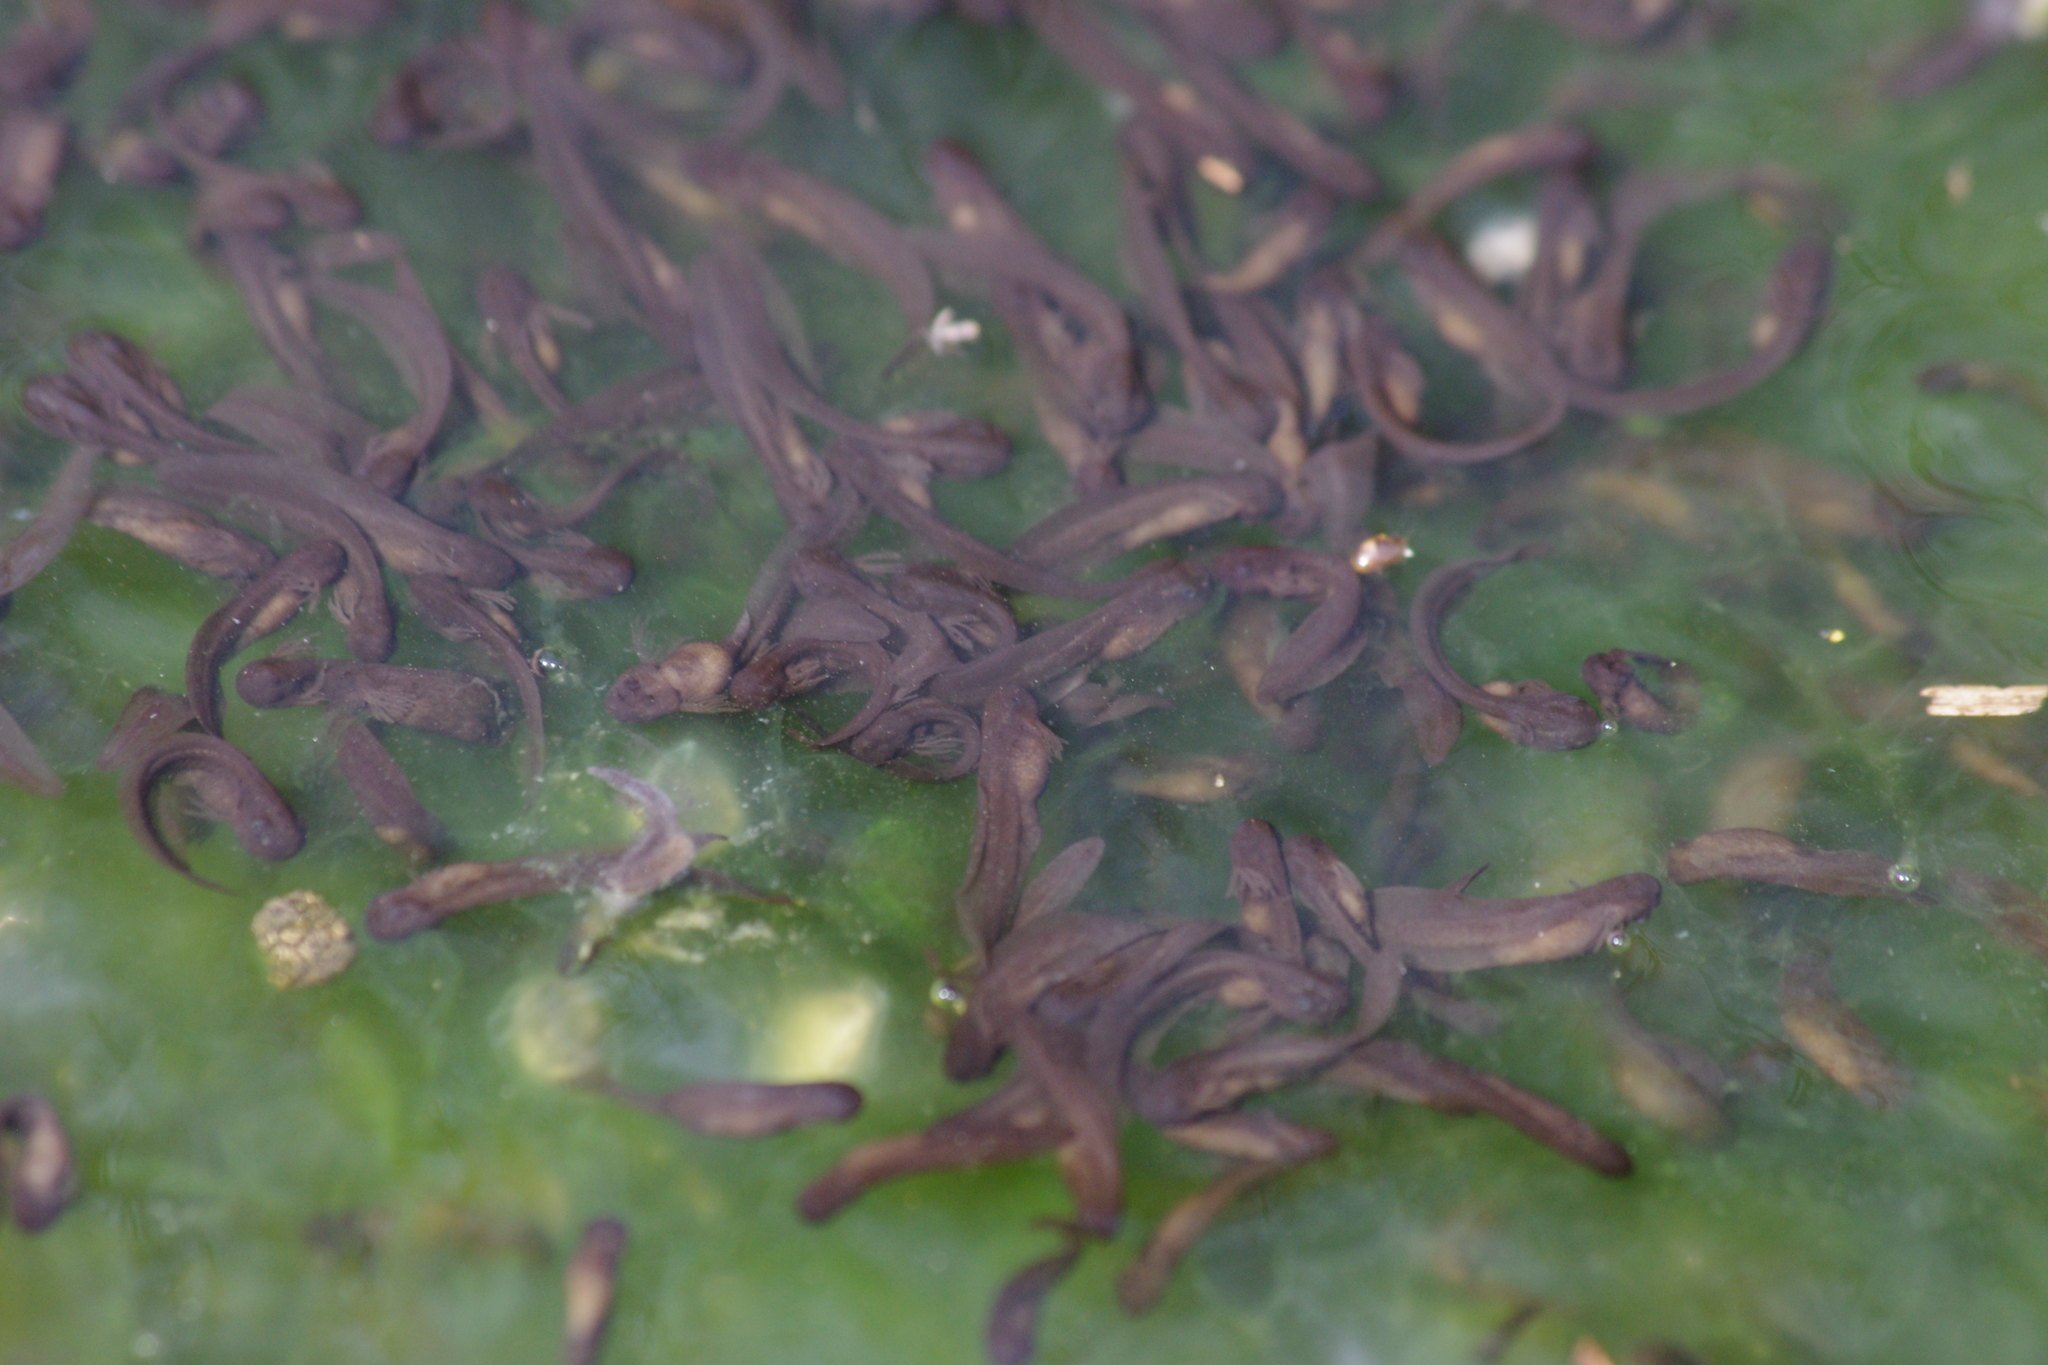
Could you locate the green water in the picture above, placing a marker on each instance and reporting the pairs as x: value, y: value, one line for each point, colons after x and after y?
x: 366, y: 1172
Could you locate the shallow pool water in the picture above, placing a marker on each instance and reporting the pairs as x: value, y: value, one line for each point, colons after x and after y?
x: 382, y: 1170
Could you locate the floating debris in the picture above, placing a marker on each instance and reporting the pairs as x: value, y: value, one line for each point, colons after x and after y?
x: 1975, y: 699
x: 303, y: 939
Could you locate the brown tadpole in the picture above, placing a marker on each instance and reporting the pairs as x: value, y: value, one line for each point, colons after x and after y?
x: 1520, y: 151
x: 618, y: 879
x: 796, y: 667
x: 455, y: 612
x: 745, y: 1109
x: 1328, y: 639
x: 662, y: 852
x: 230, y: 789
x: 1017, y: 752
x: 1248, y: 639
x: 262, y: 608
x: 1011, y: 1335
x: 1390, y: 383
x: 64, y: 506
x: 920, y: 739
x: 1139, y: 1287
x: 1643, y: 691
x: 180, y: 533
x: 1072, y: 334
x: 838, y: 223
x: 1332, y: 894
x: 149, y: 715
x: 1759, y: 855
x: 589, y: 1283
x: 1832, y: 1036
x: 1289, y: 237
x: 1013, y: 1124
x: 447, y: 891
x: 383, y: 792
x: 459, y: 705
x: 1448, y: 931
x: 1030, y: 960
x: 1595, y: 321
x: 403, y: 538
x: 691, y: 677
x: 1057, y: 885
x: 1533, y: 713
x: 971, y: 616
x: 564, y: 563
x: 1258, y: 882
x: 357, y: 599
x: 518, y: 324
x: 410, y: 334
x: 40, y: 1176
x: 1117, y: 521
x: 1210, y: 1082
x: 1403, y: 1071
x: 1146, y: 605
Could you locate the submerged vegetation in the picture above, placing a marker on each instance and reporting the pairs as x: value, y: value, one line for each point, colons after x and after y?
x: 1123, y: 554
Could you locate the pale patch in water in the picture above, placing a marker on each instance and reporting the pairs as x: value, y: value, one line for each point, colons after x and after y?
x: 823, y: 1035
x: 553, y: 1028
x: 705, y: 794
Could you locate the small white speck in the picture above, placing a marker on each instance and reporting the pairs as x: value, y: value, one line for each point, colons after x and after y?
x: 1502, y: 250
x: 146, y: 1346
x: 948, y: 333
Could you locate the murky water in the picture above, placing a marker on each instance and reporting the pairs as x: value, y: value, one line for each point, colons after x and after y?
x: 381, y: 1169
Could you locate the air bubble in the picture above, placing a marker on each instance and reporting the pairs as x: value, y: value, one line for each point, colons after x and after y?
x: 1904, y: 876
x: 1619, y: 940
x: 547, y: 663
x: 947, y: 997
x: 1609, y: 725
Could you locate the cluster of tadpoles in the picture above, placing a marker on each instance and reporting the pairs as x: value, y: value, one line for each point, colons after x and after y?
x: 1296, y: 370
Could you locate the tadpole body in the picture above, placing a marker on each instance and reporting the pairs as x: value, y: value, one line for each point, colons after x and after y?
x: 1531, y: 713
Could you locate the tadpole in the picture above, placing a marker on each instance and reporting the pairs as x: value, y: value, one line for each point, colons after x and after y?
x: 1531, y: 713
